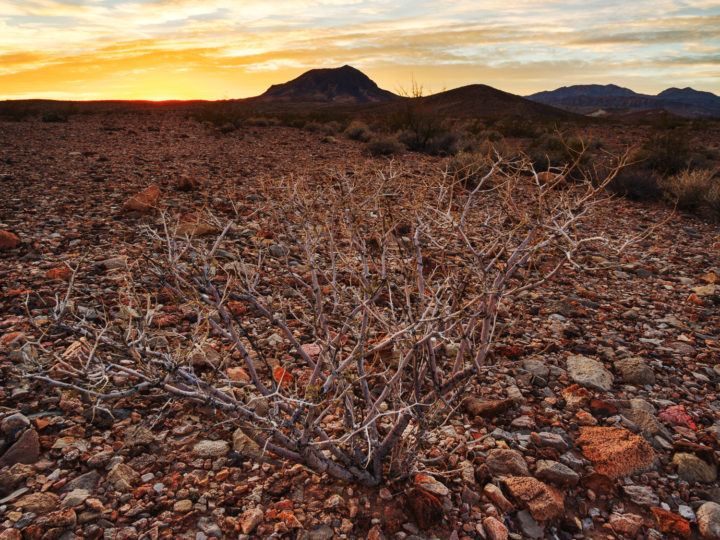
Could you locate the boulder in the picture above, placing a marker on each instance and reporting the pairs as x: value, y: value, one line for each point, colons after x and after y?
x: 589, y: 373
x: 615, y: 452
x: 708, y: 518
x: 25, y: 450
x: 8, y: 240
x: 693, y: 469
x: 143, y: 202
x: 542, y: 501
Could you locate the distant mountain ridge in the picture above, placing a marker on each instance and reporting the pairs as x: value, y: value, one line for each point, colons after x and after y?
x: 588, y: 98
x: 342, y: 85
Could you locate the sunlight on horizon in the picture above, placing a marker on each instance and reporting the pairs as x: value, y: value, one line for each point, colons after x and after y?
x: 214, y: 49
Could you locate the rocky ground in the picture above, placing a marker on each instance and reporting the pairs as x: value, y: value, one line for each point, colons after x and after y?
x: 600, y: 418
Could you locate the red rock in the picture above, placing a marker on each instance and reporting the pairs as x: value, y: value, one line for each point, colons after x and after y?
x: 626, y: 524
x: 484, y: 408
x: 615, y: 452
x: 11, y: 338
x: 677, y: 416
x: 670, y: 523
x: 59, y: 272
x: 496, y: 496
x: 250, y: 520
x: 576, y: 395
x: 143, y: 202
x: 543, y: 502
x: 426, y: 508
x: 8, y: 240
x: 25, y: 450
x: 495, y: 529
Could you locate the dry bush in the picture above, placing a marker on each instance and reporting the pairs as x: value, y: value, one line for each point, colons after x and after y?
x: 343, y: 321
x: 384, y: 146
x: 694, y: 190
x: 359, y: 131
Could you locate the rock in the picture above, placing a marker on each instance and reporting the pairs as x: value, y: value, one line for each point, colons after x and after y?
x: 615, y: 452
x: 641, y: 495
x: 645, y: 421
x: 75, y: 498
x: 543, y: 502
x: 635, y: 371
x: 242, y: 444
x: 426, y: 508
x: 143, y: 202
x: 211, y: 449
x: 529, y: 527
x: 553, y: 440
x: 183, y: 506
x: 250, y: 520
x: 576, y: 396
x: 122, y: 477
x: 552, y: 471
x: 321, y: 533
x: 485, y: 408
x: 495, y: 529
x: 537, y: 368
x: 11, y: 534
x: 139, y: 436
x: 496, y: 496
x: 195, y: 229
x: 13, y: 424
x: 503, y: 461
x: 237, y: 373
x: 671, y: 524
x: 8, y: 240
x: 708, y: 518
x: 626, y: 524
x: 589, y: 373
x: 431, y: 485
x: 18, y: 473
x: 693, y: 469
x: 113, y: 263
x: 25, y: 450
x: 62, y: 273
x: 38, y: 503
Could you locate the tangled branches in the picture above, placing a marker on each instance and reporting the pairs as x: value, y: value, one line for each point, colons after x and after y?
x: 346, y: 317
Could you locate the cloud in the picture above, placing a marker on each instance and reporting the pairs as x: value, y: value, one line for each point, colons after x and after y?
x: 246, y: 46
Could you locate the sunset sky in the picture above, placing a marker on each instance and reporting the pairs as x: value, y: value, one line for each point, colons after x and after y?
x: 217, y: 49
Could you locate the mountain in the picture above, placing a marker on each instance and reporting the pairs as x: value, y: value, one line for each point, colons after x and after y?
x: 479, y: 100
x: 337, y: 85
x: 587, y: 99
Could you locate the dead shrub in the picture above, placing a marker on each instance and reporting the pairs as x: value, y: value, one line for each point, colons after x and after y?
x: 359, y: 131
x: 694, y: 190
x: 384, y: 146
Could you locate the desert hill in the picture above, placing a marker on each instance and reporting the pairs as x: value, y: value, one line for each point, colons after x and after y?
x: 586, y: 99
x: 340, y: 85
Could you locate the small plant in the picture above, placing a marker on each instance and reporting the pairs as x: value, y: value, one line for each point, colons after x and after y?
x: 667, y: 153
x: 637, y: 184
x: 359, y: 131
x: 384, y: 146
x: 694, y: 190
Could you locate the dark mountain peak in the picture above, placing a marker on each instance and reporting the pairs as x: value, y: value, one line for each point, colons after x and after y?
x: 343, y: 84
x: 583, y: 90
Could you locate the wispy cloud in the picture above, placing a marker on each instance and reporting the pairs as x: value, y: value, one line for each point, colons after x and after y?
x: 224, y: 48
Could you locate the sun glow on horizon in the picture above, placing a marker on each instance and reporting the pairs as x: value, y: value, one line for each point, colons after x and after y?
x: 214, y: 49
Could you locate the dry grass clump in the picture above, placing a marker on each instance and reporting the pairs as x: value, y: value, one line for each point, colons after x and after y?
x: 694, y: 190
x: 384, y: 146
x: 359, y: 131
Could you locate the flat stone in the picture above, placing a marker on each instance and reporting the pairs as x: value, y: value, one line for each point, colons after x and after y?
x: 86, y: 481
x: 14, y: 423
x: 537, y: 367
x: 431, y: 485
x: 641, y: 495
x: 589, y: 373
x: 25, y: 450
x: 635, y: 371
x: 502, y: 461
x: 211, y: 449
x: 693, y: 469
x: 615, y: 452
x: 529, y: 527
x: 75, y: 498
x: 552, y: 471
x: 38, y: 503
x: 183, y: 506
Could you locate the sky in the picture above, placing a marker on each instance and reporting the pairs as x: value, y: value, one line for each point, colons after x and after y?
x: 221, y: 49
